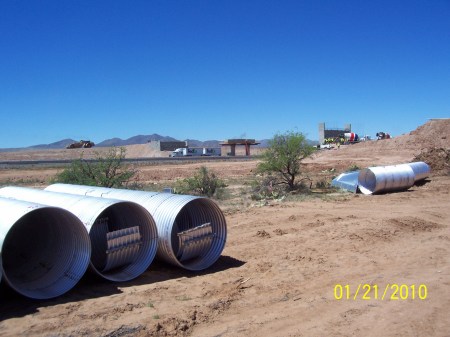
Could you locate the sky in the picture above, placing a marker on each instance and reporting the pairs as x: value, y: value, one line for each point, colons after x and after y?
x: 210, y: 69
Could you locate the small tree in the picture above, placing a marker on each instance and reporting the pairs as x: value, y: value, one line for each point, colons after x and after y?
x: 203, y: 182
x: 283, y: 156
x: 105, y: 171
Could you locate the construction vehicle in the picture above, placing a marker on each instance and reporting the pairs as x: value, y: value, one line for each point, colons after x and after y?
x: 196, y: 152
x: 351, y: 137
x: 383, y: 135
x: 80, y: 144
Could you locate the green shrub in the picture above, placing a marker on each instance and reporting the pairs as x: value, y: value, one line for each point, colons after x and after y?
x: 203, y: 182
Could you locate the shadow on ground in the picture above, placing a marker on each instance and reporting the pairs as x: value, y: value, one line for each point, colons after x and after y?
x: 92, y: 286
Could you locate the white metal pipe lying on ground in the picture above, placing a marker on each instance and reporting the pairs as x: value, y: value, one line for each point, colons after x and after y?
x: 123, y: 234
x: 421, y: 170
x: 379, y: 179
x: 44, y: 250
x: 192, y: 230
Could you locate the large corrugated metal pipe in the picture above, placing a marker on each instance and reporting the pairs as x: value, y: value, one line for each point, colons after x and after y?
x: 380, y: 179
x: 192, y: 230
x: 123, y: 234
x: 421, y: 170
x: 44, y: 250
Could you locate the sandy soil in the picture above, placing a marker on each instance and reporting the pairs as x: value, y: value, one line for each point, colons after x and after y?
x: 279, y: 269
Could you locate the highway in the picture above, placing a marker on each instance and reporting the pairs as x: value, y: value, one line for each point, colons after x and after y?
x: 10, y: 164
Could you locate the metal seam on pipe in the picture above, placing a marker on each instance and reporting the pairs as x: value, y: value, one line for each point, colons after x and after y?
x: 172, y: 213
x: 44, y: 250
x: 120, y: 214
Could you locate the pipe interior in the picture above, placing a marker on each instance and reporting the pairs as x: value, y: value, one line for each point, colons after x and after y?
x: 45, y: 253
x: 206, y: 251
x: 132, y: 251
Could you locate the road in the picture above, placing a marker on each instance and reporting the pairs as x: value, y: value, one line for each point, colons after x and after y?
x: 10, y: 164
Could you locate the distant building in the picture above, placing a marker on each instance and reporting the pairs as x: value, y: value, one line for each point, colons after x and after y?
x: 332, y: 132
x: 166, y: 146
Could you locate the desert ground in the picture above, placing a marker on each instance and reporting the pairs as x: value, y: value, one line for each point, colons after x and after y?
x: 285, y: 261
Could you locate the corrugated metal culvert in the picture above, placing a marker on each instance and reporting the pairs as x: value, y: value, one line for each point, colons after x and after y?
x: 123, y: 234
x: 421, y: 170
x: 44, y: 250
x: 192, y: 230
x: 391, y: 178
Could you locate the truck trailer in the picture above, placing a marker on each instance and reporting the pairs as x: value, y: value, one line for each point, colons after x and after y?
x: 196, y: 152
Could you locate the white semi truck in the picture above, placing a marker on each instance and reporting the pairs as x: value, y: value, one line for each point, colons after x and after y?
x: 196, y: 152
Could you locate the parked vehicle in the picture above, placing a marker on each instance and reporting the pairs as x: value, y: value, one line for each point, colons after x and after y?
x: 383, y: 135
x: 187, y: 152
x: 351, y: 137
x: 212, y: 151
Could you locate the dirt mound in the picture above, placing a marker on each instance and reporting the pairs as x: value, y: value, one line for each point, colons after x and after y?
x: 437, y: 158
x: 144, y: 151
x: 433, y: 134
x: 132, y: 151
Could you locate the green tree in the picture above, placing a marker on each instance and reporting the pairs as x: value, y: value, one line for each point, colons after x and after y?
x: 105, y: 171
x: 203, y: 182
x: 283, y: 157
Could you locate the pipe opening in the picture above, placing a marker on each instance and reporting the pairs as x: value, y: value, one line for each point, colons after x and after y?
x: 367, y: 181
x: 198, y: 234
x: 123, y: 242
x: 45, y: 253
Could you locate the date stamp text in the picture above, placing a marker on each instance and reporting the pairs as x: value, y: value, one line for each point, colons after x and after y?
x: 390, y: 292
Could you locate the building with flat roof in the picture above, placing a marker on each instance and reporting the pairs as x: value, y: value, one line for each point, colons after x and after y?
x: 325, y: 133
x: 166, y: 146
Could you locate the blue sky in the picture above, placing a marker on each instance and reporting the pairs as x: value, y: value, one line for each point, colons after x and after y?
x: 219, y: 69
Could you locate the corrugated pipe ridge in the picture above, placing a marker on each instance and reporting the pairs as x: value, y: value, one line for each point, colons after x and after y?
x: 44, y: 250
x: 123, y: 234
x: 192, y: 230
x: 391, y: 178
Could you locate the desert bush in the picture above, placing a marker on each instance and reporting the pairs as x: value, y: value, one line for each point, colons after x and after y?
x: 266, y: 188
x: 105, y: 171
x: 323, y: 184
x: 282, y: 159
x: 204, y: 182
x: 352, y: 168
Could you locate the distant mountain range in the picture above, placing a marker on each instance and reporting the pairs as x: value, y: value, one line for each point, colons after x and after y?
x: 139, y: 139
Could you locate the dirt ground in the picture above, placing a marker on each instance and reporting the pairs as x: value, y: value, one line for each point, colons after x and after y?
x: 283, y: 267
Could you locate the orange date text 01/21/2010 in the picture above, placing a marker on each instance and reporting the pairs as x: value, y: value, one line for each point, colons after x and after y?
x: 392, y: 292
